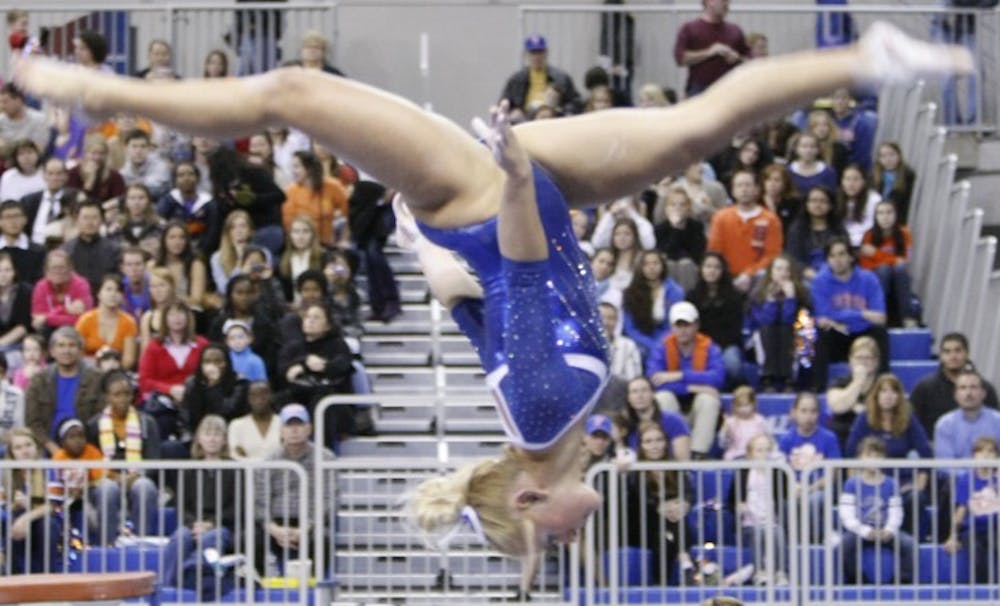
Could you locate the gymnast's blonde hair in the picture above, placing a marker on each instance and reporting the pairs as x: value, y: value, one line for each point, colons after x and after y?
x: 436, y: 505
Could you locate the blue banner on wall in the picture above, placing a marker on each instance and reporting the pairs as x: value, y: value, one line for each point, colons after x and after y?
x: 834, y: 29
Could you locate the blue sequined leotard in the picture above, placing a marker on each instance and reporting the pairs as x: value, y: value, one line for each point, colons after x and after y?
x: 537, y: 331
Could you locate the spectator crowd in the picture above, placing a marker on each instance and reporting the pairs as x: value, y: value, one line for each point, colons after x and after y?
x: 163, y: 297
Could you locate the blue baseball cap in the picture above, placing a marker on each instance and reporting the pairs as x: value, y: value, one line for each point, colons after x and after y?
x: 535, y: 44
x: 294, y: 412
x: 598, y: 423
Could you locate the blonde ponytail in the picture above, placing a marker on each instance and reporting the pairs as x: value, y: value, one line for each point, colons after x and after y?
x: 435, y: 506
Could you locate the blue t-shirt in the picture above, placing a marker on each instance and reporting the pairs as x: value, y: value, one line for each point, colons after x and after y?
x: 674, y: 426
x: 896, y: 447
x: 872, y: 501
x: 248, y: 364
x: 981, y: 496
x: 66, y: 388
x: 802, y: 450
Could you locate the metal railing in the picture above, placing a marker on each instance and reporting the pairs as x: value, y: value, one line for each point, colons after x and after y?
x: 634, y: 549
x: 378, y: 555
x: 917, y: 564
x: 254, y: 37
x: 143, y: 515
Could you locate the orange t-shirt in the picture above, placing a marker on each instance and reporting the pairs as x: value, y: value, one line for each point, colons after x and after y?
x: 89, y: 328
x: 748, y: 245
x: 90, y: 453
x: 886, y: 253
x: 322, y: 208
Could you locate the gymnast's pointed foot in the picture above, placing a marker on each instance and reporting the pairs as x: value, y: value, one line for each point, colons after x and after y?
x: 890, y: 56
x: 408, y: 235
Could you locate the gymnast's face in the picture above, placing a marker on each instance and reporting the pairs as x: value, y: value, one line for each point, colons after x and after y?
x: 558, y: 511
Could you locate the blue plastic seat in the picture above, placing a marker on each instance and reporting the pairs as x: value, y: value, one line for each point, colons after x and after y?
x: 817, y: 565
x: 938, y: 566
x: 117, y: 559
x: 172, y: 594
x: 911, y: 371
x: 910, y: 343
x: 878, y: 564
x: 634, y: 566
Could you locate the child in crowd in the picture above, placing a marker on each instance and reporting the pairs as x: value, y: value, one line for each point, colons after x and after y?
x: 33, y: 353
x: 742, y: 425
x: 108, y: 359
x: 758, y: 495
x: 807, y: 443
x: 245, y: 362
x: 775, y: 305
x: 976, y: 520
x: 66, y: 486
x: 871, y: 514
x: 11, y: 402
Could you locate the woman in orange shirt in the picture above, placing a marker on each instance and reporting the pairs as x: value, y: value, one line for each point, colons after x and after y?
x: 885, y: 250
x: 107, y: 325
x: 323, y: 199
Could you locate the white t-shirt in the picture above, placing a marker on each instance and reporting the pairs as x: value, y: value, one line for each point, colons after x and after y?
x: 14, y: 185
x: 243, y: 433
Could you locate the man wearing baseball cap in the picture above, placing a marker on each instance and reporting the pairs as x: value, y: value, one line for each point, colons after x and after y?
x: 539, y: 84
x: 278, y: 493
x: 688, y: 372
x: 597, y: 439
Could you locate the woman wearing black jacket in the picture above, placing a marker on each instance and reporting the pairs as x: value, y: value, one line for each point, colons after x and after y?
x: 15, y: 305
x: 239, y: 184
x: 215, y: 388
x: 319, y: 364
x: 243, y: 303
x: 210, y: 500
x: 720, y: 312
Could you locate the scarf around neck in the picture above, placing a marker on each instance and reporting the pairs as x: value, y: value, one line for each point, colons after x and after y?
x: 133, y: 435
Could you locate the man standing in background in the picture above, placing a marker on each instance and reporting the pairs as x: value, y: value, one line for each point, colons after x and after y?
x: 709, y: 46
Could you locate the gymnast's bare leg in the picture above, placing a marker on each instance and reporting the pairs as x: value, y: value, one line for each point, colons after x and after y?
x: 447, y: 178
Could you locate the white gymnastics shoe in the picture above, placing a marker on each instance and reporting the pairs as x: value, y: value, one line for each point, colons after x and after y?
x: 408, y: 235
x: 892, y: 57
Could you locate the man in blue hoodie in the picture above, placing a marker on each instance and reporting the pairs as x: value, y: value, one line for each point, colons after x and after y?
x: 848, y: 303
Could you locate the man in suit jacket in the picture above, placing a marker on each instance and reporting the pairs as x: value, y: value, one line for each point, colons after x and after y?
x: 47, y: 210
x: 28, y: 257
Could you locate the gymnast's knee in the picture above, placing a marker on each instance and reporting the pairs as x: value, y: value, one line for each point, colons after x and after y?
x: 277, y: 86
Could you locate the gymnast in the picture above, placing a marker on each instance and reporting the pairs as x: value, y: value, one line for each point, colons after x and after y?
x: 533, y: 319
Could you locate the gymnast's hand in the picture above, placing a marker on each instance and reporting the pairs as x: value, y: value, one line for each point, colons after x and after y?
x: 502, y: 141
